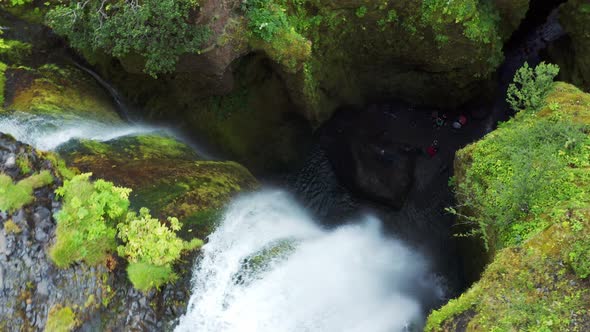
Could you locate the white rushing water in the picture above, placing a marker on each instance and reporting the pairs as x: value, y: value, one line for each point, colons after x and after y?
x: 352, y: 278
x: 47, y: 133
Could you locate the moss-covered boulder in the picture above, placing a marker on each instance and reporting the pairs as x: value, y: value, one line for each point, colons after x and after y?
x: 57, y: 91
x: 572, y: 51
x: 524, y: 188
x: 165, y: 175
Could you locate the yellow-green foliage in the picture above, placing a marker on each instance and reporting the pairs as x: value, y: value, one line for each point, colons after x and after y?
x: 86, y: 223
x: 151, y: 246
x: 14, y: 196
x: 61, y: 168
x: 145, y: 276
x: 23, y: 164
x: 13, y: 51
x: 60, y: 319
x: 10, y: 227
x: 62, y: 92
x: 527, y: 184
x: 579, y: 258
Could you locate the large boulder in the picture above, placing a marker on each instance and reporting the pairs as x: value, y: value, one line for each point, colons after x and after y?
x: 57, y: 91
x: 166, y: 175
x: 523, y: 189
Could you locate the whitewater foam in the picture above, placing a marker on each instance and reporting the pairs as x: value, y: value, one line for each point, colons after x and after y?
x: 352, y: 278
x: 47, y: 133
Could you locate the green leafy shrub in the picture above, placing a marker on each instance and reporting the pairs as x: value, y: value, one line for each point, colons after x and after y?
x: 266, y: 18
x: 151, y: 247
x: 272, y: 32
x: 86, y: 223
x: 579, y: 258
x: 158, y: 30
x: 531, y: 86
x: 479, y: 18
x: 60, y: 319
x: 14, y: 196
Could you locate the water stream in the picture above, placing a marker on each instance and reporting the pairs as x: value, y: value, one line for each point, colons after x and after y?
x: 47, y: 133
x: 306, y: 278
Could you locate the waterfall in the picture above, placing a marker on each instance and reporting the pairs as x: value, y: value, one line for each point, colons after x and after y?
x: 47, y: 133
x: 270, y: 267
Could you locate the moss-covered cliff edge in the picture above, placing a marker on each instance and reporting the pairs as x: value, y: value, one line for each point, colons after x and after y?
x: 246, y: 73
x: 525, y: 186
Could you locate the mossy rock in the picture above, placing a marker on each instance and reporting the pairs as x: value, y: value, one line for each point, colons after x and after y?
x: 538, y: 276
x: 256, y: 124
x: 166, y: 175
x: 426, y: 52
x: 57, y: 91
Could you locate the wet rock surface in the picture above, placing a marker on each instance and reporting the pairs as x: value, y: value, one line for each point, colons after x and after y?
x: 31, y: 286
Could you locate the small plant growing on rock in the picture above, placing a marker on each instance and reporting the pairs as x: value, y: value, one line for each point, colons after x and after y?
x: 86, y: 223
x: 579, y: 258
x: 10, y: 227
x: 14, y: 196
x: 151, y: 247
x: 531, y: 86
x: 60, y: 319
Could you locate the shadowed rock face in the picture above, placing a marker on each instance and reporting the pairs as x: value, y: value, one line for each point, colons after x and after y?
x: 572, y: 51
x: 385, y: 172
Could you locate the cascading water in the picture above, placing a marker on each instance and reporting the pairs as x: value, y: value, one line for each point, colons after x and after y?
x: 47, y: 133
x: 269, y: 267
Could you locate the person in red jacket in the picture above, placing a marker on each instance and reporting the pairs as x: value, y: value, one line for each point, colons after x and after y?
x: 432, y: 149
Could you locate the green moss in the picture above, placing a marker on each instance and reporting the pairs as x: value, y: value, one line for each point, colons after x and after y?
x: 60, y: 319
x: 14, y: 196
x: 14, y: 51
x: 61, y: 92
x: 536, y: 219
x: 165, y: 175
x: 23, y: 164
x: 579, y: 258
x: 62, y: 170
x: 529, y: 168
x: 146, y: 276
x: 10, y: 227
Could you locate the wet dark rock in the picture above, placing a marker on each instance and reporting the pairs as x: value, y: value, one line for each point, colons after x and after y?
x: 30, y: 285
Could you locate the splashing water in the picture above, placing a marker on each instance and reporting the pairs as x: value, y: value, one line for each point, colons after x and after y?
x: 47, y: 133
x: 352, y: 278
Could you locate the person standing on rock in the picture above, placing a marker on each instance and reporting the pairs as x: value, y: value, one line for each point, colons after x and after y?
x: 432, y: 149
